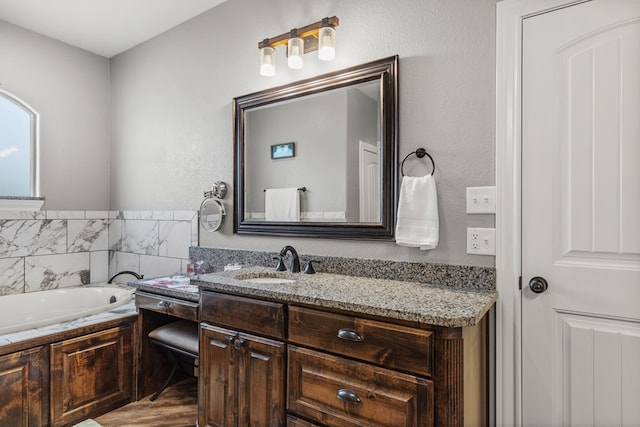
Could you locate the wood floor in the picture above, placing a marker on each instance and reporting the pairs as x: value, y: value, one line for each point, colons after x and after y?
x: 177, y: 406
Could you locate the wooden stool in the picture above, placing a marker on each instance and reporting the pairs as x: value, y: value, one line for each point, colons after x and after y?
x: 177, y: 338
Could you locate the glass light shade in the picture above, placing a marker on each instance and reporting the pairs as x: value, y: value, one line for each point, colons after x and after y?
x: 268, y: 61
x: 295, y: 49
x: 327, y: 43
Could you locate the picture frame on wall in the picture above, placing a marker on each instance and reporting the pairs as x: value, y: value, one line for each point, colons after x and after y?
x: 283, y: 151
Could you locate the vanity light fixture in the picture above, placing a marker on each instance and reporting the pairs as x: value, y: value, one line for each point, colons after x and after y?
x: 320, y: 36
x: 267, y: 59
x: 326, y: 41
x: 295, y: 50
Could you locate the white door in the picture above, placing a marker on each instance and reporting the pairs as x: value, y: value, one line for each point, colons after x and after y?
x: 581, y: 215
x: 369, y: 159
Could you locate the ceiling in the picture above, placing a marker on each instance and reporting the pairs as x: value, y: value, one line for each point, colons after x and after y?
x: 104, y: 27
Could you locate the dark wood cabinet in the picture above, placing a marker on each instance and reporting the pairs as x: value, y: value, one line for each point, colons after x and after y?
x: 385, y: 344
x: 297, y: 422
x: 155, y: 310
x: 263, y: 318
x: 342, y: 369
x: 341, y: 392
x: 174, y: 307
x: 24, y: 393
x: 91, y: 374
x: 242, y: 378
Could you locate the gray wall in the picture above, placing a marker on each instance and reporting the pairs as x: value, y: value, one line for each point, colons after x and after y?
x: 69, y: 88
x: 171, y: 118
x: 172, y: 122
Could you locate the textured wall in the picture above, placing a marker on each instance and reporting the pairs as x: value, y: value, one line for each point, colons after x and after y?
x: 172, y: 119
x: 69, y: 88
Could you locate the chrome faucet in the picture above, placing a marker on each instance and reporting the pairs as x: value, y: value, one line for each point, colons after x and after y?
x: 133, y: 273
x: 295, y: 264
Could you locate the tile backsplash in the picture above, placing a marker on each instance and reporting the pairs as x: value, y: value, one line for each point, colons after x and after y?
x: 54, y: 249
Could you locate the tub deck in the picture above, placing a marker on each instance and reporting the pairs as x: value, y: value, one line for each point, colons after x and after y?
x: 29, y: 338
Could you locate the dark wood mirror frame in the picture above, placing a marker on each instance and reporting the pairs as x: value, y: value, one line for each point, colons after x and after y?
x: 385, y: 70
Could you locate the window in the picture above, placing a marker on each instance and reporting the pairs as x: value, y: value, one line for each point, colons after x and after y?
x: 18, y: 148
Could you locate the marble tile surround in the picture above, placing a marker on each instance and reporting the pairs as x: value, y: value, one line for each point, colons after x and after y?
x: 53, y: 249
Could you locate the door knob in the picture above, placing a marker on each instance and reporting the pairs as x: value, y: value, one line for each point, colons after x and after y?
x: 538, y: 285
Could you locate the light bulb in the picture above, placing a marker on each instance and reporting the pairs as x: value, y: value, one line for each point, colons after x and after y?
x: 295, y: 50
x: 268, y: 61
x: 327, y: 43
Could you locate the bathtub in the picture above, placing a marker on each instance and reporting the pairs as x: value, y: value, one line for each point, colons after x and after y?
x: 36, y: 309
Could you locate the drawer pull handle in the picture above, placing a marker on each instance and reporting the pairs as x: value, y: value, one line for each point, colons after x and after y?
x: 163, y: 304
x: 349, y: 396
x: 350, y: 335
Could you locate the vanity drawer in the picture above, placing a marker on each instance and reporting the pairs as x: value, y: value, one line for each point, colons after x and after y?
x: 385, y: 344
x: 247, y: 314
x: 172, y: 306
x: 297, y: 422
x: 340, y: 392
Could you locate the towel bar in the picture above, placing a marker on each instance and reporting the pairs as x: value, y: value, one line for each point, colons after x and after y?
x: 299, y: 189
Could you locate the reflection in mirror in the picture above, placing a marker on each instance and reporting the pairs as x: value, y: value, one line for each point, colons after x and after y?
x: 211, y: 214
x: 334, y: 135
x: 343, y: 132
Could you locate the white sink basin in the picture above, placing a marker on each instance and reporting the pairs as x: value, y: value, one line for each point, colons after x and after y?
x: 270, y: 280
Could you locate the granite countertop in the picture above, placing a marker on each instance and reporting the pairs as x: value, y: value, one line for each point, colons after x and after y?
x: 411, y: 301
x: 171, y: 286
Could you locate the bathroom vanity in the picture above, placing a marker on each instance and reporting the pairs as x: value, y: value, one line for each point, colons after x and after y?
x: 335, y: 350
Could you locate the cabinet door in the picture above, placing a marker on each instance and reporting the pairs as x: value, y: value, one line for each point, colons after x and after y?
x: 261, y: 400
x: 23, y: 389
x: 91, y: 375
x: 217, y: 378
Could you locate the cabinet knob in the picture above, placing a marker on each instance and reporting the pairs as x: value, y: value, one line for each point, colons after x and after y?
x: 163, y: 304
x: 349, y: 396
x: 350, y: 335
x: 237, y: 343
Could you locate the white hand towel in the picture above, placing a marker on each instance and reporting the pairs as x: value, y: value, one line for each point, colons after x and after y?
x: 417, y: 224
x: 282, y: 204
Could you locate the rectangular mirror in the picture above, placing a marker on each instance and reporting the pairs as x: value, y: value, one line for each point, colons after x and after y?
x: 329, y: 145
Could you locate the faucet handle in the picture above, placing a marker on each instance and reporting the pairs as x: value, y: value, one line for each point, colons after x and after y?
x: 280, y: 266
x: 309, y: 268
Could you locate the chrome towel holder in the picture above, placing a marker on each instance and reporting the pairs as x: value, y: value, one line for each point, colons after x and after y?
x: 419, y: 153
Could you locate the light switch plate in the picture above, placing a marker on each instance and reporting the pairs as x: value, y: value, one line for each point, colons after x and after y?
x: 481, y: 200
x: 481, y: 241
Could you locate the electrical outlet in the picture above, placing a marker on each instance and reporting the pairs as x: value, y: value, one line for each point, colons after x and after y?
x: 481, y: 199
x: 481, y: 241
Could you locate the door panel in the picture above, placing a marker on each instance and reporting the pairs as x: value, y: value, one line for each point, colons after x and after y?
x: 24, y: 394
x: 91, y: 375
x: 369, y: 182
x: 581, y: 215
x: 217, y: 383
x: 261, y: 381
x: 600, y: 357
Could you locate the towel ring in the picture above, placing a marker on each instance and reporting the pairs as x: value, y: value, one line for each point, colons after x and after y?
x: 420, y: 153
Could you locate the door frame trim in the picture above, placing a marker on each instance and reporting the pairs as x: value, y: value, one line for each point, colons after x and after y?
x: 510, y: 15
